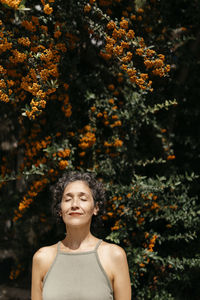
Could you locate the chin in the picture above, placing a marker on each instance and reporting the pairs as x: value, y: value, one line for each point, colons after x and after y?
x: 76, y: 223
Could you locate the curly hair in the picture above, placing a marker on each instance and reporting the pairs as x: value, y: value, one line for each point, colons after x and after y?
x: 95, y: 186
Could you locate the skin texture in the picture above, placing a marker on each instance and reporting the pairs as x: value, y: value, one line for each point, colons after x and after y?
x: 77, y: 198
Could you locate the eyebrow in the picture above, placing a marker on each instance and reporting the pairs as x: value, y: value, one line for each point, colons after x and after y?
x: 80, y: 194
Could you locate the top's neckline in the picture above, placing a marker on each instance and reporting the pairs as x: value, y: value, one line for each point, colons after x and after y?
x: 81, y: 252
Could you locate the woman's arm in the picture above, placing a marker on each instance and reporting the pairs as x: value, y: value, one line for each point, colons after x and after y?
x: 122, y: 284
x: 37, y: 275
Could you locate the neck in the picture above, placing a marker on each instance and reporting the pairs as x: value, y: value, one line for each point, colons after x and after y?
x: 76, y: 237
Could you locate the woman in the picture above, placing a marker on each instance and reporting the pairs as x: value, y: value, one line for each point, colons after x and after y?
x: 80, y: 266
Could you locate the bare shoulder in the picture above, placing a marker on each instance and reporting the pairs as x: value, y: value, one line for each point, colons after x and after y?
x: 113, y: 248
x: 45, y: 254
x: 114, y: 251
x: 115, y: 263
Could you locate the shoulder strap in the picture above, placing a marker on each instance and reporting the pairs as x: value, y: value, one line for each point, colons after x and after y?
x: 97, y: 245
x: 58, y: 247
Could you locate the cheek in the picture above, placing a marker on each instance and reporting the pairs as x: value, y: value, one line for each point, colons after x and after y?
x: 63, y: 206
x: 91, y: 209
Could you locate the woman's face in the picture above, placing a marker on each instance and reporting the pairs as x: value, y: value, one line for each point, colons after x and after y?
x: 77, y: 204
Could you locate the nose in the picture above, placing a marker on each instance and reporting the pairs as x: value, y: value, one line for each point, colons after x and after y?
x: 75, y: 203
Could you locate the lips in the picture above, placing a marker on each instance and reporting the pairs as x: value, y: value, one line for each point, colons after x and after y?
x: 75, y: 214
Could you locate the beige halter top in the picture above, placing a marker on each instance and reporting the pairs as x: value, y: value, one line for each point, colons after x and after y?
x: 77, y: 276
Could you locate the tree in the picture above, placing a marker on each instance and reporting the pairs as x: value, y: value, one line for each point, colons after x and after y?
x: 85, y: 86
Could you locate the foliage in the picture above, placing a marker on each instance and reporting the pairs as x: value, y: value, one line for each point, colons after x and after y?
x: 85, y: 86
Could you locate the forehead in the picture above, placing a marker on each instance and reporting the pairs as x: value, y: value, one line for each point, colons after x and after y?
x: 77, y: 186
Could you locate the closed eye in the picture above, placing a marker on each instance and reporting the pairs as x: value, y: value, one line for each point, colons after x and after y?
x: 67, y: 199
x: 83, y: 199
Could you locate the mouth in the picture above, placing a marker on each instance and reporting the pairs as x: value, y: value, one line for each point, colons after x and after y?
x: 75, y: 214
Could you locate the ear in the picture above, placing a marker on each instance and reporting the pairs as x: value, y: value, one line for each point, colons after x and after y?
x: 96, y: 209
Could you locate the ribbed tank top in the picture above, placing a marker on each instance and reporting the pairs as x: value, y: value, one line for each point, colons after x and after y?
x: 77, y: 276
